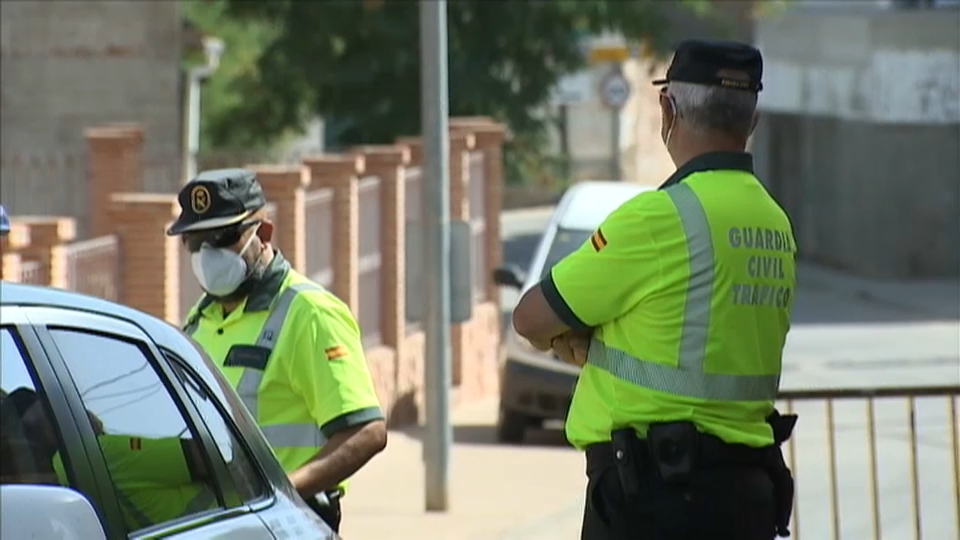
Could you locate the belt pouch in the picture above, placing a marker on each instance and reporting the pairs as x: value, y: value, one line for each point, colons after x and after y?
x: 674, y: 447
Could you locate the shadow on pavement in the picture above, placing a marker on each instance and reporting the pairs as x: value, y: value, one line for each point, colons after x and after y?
x: 483, y: 434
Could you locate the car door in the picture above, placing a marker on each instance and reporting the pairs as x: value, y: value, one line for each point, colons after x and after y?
x: 25, y: 458
x: 145, y: 439
x: 260, y: 478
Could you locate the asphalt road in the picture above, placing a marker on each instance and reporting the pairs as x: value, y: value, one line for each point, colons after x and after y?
x: 850, y: 334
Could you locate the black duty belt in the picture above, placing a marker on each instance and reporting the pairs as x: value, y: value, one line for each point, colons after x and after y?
x: 674, y: 451
x: 713, y: 452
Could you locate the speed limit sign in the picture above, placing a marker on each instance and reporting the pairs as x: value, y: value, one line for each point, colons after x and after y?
x: 614, y: 90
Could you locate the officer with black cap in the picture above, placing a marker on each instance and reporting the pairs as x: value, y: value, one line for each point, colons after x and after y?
x: 291, y: 349
x: 677, y: 309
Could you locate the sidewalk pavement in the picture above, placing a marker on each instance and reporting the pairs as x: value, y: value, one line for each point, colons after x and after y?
x: 929, y: 298
x: 497, y: 492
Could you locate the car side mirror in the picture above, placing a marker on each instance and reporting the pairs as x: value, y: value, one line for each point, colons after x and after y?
x: 508, y: 276
x: 47, y: 512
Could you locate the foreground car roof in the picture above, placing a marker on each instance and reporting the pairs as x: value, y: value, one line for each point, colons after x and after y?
x: 18, y: 294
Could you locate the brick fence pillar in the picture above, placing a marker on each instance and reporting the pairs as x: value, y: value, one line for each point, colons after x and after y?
x: 10, y: 245
x: 415, y: 146
x: 461, y: 143
x: 341, y: 174
x: 286, y: 187
x: 389, y: 163
x: 115, y: 165
x: 150, y: 260
x: 47, y: 235
x: 490, y: 140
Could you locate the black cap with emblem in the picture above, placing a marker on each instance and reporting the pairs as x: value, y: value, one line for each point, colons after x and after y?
x: 216, y: 199
x: 728, y: 64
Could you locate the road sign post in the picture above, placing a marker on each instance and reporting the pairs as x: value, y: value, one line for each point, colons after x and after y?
x: 614, y: 93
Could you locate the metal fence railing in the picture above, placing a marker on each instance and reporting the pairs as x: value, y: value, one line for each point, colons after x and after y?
x: 31, y: 272
x: 93, y: 267
x: 413, y: 265
x: 318, y: 222
x: 477, y: 197
x: 369, y: 259
x: 888, y: 462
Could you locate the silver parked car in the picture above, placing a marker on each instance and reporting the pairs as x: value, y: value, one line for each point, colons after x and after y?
x: 535, y: 386
x: 116, y: 425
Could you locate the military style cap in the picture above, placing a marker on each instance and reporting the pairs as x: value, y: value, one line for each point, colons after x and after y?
x: 716, y: 63
x: 4, y: 220
x: 218, y: 198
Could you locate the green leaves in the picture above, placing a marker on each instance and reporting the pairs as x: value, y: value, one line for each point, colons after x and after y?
x: 357, y: 63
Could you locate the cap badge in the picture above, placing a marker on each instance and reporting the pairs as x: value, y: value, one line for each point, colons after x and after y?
x: 200, y: 199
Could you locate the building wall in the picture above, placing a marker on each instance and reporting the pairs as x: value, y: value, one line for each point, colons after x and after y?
x: 65, y: 65
x: 860, y: 136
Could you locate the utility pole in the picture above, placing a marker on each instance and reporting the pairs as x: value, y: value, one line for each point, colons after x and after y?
x: 436, y: 244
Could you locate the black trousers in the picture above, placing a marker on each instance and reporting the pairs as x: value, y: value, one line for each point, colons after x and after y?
x: 727, y: 503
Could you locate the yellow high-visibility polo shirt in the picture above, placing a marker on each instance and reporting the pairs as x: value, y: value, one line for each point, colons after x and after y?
x: 315, y: 381
x: 689, y: 290
x: 152, y: 478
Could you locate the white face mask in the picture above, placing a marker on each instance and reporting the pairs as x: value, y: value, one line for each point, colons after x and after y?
x: 220, y: 271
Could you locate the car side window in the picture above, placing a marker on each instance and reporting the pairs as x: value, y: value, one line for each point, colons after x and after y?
x: 28, y: 439
x: 246, y: 477
x: 156, y: 463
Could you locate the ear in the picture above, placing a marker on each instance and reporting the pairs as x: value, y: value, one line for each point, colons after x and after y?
x: 666, y: 109
x: 265, y: 232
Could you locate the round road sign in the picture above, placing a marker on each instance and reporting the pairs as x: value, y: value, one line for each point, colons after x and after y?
x: 614, y: 90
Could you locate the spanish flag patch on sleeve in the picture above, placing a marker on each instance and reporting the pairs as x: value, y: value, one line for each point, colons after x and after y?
x: 334, y: 353
x: 598, y: 240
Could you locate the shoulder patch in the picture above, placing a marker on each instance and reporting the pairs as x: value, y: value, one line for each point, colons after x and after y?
x: 334, y: 353
x: 598, y: 240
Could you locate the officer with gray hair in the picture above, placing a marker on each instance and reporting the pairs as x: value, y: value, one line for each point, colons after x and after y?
x: 677, y: 311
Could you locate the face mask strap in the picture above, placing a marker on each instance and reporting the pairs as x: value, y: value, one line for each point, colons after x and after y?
x: 676, y: 114
x: 249, y: 240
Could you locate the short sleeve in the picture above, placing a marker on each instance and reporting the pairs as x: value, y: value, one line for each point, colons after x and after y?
x: 608, y: 274
x: 330, y: 369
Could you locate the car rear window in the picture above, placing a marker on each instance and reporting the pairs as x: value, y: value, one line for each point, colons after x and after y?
x: 565, y: 242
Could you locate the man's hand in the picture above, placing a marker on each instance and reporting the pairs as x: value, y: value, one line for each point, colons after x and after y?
x: 572, y: 347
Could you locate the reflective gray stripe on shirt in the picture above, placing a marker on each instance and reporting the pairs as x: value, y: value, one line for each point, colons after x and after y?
x: 688, y: 378
x: 279, y: 435
x: 139, y: 518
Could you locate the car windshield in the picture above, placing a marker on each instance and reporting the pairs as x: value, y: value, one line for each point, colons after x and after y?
x: 565, y: 242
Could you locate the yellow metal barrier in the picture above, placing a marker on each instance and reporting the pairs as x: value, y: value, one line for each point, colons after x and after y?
x: 792, y: 400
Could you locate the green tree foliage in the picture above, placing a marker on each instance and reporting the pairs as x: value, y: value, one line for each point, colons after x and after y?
x: 356, y: 63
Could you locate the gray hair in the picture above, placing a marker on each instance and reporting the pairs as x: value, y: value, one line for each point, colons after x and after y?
x: 716, y: 109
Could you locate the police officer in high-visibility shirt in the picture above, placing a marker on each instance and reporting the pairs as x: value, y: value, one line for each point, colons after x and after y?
x: 155, y: 479
x: 291, y: 349
x: 678, y: 308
